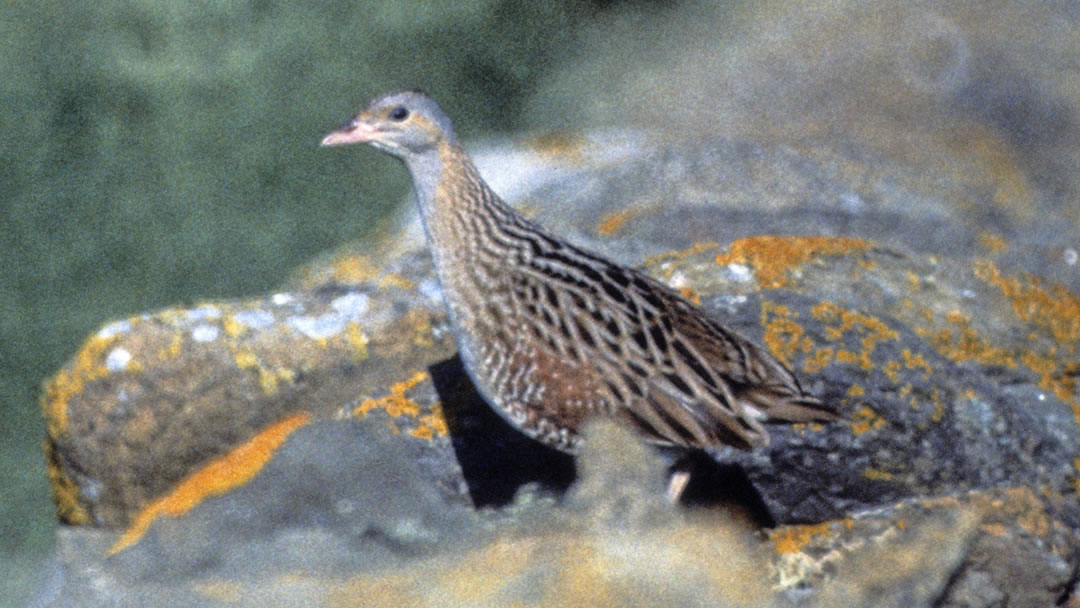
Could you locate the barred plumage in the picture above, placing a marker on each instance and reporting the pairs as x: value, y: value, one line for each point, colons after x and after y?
x: 552, y: 334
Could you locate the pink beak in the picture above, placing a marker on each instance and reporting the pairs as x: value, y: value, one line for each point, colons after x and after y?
x: 352, y: 132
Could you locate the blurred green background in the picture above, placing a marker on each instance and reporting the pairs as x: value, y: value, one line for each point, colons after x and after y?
x: 159, y: 152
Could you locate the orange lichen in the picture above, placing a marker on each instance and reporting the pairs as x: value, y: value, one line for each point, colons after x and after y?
x: 431, y: 425
x: 838, y: 321
x: 395, y: 280
x: 612, y: 222
x: 783, y: 336
x: 691, y: 294
x: 915, y: 361
x: 995, y: 529
x: 666, y: 262
x: 792, y: 539
x: 965, y: 344
x: 65, y: 492
x: 864, y: 420
x: 420, y: 321
x: 1050, y: 307
x: 1053, y: 313
x: 817, y: 360
x: 992, y: 242
x: 560, y: 146
x: 396, y: 403
x: 939, y: 407
x: 892, y: 370
x: 773, y: 256
x: 87, y: 366
x: 215, y: 478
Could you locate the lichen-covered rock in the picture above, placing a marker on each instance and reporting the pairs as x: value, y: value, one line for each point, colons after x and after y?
x: 954, y: 369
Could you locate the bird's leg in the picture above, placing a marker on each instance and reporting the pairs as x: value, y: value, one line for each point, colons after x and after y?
x: 680, y: 477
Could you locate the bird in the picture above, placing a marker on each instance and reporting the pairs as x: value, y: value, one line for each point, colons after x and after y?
x: 552, y: 334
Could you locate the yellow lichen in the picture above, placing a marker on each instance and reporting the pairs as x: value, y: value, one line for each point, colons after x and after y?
x: 357, y: 339
x: 354, y: 269
x: 939, y: 406
x: 817, y: 360
x: 232, y: 327
x: 877, y: 475
x: 174, y: 348
x: 215, y: 478
x: 269, y: 380
x: 246, y: 359
x: 88, y: 365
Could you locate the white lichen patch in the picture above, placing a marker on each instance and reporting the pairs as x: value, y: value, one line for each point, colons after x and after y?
x: 117, y: 360
x: 431, y: 290
x: 255, y: 319
x: 318, y: 328
x: 205, y: 312
x: 351, y: 305
x: 281, y: 299
x: 114, y: 329
x: 740, y: 273
x: 346, y: 309
x: 678, y: 280
x: 1070, y: 256
x: 205, y: 333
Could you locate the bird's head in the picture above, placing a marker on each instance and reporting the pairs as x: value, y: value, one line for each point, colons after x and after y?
x: 400, y: 123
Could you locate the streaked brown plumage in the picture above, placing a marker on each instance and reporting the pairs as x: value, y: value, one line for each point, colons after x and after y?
x: 552, y: 334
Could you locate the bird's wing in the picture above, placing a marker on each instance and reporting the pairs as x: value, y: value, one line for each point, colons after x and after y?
x: 725, y: 383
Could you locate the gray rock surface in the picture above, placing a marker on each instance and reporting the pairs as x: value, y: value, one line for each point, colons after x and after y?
x: 955, y: 371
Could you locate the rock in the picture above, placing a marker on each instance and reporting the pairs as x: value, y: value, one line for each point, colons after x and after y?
x: 215, y: 443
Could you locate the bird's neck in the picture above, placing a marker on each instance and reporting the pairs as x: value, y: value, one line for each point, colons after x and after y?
x: 454, y: 203
x: 465, y: 223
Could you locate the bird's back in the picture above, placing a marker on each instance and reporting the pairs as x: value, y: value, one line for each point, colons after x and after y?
x: 573, y: 334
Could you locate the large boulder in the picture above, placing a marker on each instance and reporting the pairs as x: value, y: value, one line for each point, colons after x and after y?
x: 323, y: 443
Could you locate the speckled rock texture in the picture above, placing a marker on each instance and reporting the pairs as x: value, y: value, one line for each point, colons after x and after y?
x: 324, y: 446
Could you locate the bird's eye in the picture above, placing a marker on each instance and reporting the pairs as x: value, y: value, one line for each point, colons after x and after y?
x: 399, y: 114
